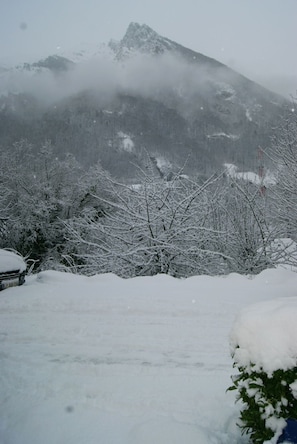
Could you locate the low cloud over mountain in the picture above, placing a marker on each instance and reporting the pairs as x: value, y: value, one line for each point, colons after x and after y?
x: 168, y: 100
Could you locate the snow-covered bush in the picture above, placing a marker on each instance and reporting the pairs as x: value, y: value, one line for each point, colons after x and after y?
x: 243, y: 229
x: 264, y: 349
x: 283, y: 153
x: 155, y: 227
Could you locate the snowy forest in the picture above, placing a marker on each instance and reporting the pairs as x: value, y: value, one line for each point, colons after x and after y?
x: 61, y: 216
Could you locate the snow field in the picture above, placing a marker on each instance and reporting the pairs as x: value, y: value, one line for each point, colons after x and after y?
x: 112, y: 361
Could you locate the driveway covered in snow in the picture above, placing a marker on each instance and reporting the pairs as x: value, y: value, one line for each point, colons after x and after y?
x: 103, y: 360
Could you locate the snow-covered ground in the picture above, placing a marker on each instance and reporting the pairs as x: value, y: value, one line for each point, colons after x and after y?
x: 103, y: 360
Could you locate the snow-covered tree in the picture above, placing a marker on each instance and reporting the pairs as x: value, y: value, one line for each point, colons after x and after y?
x: 156, y: 226
x: 63, y: 216
x: 283, y: 153
x: 38, y: 194
x: 245, y: 235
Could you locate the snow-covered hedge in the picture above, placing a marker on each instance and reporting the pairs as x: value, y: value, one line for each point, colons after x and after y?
x: 264, y: 349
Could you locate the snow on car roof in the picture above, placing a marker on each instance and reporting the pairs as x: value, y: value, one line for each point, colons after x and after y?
x: 10, y: 261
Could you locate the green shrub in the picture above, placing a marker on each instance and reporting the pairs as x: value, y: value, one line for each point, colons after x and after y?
x: 268, y: 400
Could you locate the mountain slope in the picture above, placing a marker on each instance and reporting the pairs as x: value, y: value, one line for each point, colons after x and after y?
x: 152, y: 97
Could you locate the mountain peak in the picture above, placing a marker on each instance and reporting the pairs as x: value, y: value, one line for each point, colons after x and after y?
x: 137, y: 32
x: 142, y: 38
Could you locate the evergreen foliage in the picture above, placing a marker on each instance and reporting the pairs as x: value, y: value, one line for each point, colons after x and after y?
x: 268, y: 400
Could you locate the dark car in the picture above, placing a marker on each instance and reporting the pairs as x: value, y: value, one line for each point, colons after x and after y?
x: 12, y: 269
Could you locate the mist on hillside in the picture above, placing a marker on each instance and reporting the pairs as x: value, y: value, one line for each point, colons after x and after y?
x: 142, y: 74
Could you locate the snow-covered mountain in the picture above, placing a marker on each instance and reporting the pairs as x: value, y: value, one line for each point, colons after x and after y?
x: 171, y: 103
x: 141, y: 38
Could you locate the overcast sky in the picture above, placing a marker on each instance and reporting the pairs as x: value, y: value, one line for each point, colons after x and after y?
x: 256, y: 37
